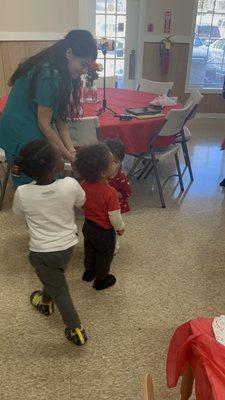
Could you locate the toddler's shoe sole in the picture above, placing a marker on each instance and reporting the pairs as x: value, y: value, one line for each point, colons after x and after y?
x: 101, y: 284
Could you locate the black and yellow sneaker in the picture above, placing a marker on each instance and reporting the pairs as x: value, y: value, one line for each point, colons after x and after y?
x: 43, y: 308
x: 77, y: 335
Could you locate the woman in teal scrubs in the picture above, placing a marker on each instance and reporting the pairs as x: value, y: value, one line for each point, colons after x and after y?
x: 45, y: 90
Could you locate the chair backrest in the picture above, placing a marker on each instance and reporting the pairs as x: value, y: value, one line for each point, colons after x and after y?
x: 196, y: 97
x: 155, y: 87
x: 175, y: 120
x: 110, y: 82
x: 84, y: 131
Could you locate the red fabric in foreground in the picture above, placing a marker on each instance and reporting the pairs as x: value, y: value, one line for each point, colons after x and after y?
x: 135, y: 134
x: 194, y: 343
x: 3, y: 101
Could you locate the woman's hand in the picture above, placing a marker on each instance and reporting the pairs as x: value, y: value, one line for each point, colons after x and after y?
x: 120, y: 233
x: 72, y: 155
x: 69, y: 155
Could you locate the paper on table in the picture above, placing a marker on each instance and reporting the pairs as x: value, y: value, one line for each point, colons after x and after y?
x: 148, y: 116
x: 164, y: 101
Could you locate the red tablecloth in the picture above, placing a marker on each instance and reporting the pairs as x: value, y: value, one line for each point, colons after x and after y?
x: 194, y: 343
x: 135, y: 134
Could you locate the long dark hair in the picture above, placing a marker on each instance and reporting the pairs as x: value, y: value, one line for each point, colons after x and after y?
x: 82, y: 44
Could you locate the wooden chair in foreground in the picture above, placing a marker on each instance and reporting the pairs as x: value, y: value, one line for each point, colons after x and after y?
x: 185, y: 390
x: 148, y: 387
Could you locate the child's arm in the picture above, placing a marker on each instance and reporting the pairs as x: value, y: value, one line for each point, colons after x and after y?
x: 80, y: 196
x: 114, y: 212
x: 116, y: 220
x: 17, y: 205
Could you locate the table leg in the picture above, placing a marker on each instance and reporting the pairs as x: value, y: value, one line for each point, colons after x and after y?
x: 187, y: 383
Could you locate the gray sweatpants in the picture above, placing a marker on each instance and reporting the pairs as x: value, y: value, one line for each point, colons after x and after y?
x: 50, y: 268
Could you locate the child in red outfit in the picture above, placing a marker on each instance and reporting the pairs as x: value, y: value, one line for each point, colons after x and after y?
x: 119, y: 181
x: 102, y: 213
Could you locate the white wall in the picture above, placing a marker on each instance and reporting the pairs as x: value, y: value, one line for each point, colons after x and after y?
x: 39, y: 15
x: 182, y: 15
x: 59, y: 16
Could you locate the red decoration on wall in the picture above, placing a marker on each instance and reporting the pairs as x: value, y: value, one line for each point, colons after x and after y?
x: 167, y: 21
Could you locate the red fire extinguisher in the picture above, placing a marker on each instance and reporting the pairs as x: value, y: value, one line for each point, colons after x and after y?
x: 165, y: 49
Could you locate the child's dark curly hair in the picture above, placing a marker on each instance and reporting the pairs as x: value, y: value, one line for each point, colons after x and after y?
x: 91, y: 161
x: 36, y: 159
x: 117, y: 148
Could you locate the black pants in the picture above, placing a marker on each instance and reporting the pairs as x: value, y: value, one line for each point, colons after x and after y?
x: 99, y: 247
x: 50, y: 268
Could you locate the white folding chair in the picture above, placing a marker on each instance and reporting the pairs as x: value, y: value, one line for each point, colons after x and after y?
x: 110, y: 82
x: 185, y: 136
x: 155, y: 87
x: 83, y: 131
x: 5, y: 170
x: 173, y: 125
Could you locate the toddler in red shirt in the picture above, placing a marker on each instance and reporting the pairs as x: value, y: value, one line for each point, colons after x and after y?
x: 95, y: 166
x: 119, y: 181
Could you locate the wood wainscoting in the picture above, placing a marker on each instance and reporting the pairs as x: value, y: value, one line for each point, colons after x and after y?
x: 11, y: 54
x: 212, y: 103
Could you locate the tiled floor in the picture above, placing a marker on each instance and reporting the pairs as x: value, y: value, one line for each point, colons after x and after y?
x: 170, y: 268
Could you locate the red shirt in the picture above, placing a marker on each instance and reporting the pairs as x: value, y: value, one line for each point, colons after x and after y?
x: 122, y: 185
x: 100, y: 199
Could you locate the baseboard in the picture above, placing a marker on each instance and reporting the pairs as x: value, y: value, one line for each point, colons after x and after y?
x: 211, y: 115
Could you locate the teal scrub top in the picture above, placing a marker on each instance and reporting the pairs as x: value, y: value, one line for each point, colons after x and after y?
x: 19, y: 122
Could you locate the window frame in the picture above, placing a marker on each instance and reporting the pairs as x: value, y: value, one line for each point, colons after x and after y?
x: 115, y: 37
x: 188, y: 88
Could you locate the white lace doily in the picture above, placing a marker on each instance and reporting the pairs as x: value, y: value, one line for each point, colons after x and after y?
x: 218, y: 326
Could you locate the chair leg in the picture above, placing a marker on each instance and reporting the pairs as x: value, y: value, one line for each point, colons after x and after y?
x: 144, y: 169
x: 154, y: 161
x: 134, y: 166
x: 187, y: 158
x: 179, y: 172
x: 187, y: 383
x: 4, y: 185
x: 149, y: 171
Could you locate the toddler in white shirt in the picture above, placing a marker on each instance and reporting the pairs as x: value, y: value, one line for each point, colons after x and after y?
x: 48, y: 207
